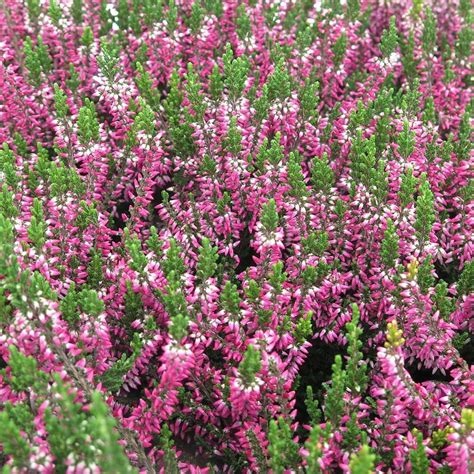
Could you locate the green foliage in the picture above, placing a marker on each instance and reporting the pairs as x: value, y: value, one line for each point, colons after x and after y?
x: 235, y: 73
x: 63, y: 180
x: 216, y: 83
x: 439, y: 438
x: 273, y: 154
x: 87, y: 38
x: 411, y: 100
x: 172, y: 17
x: 88, y: 436
x: 296, y: 177
x: 195, y: 20
x: 269, y: 216
x: 334, y: 402
x: 108, y: 60
x: 230, y: 299
x: 181, y: 131
x: 154, y: 243
x: 55, y: 12
x: 322, y: 175
x: 406, y: 141
x: 60, y: 102
x: 88, y: 124
x: 464, y: 142
x: 95, y: 274
x: 425, y: 277
x: 90, y: 302
x: 233, y: 141
x: 76, y: 11
x: 167, y: 445
x: 362, y: 462
x: 73, y: 82
x: 9, y: 267
x: 352, y: 9
x: 43, y: 164
x: 8, y: 167
x: 356, y: 369
x: 461, y: 339
x: 152, y: 11
x: 282, y: 450
x: 69, y: 305
x: 207, y: 262
x: 277, y: 277
x: 389, y: 40
x: 138, y: 258
x: 123, y: 13
x: 309, y: 98
x: 144, y: 120
x: 418, y: 458
x: 173, y: 265
x: 39, y: 286
x: 250, y: 365
x: 193, y: 88
x: 312, y: 406
x: 279, y: 82
x: 390, y: 246
x: 429, y: 31
x: 425, y: 213
x: 133, y: 305
x: 379, y: 183
x: 32, y: 62
x: 339, y: 49
x: 43, y: 56
x: 304, y: 328
x: 37, y: 228
x: 316, y: 243
x: 12, y: 441
x: 262, y: 104
x: 87, y: 216
x: 21, y: 144
x: 465, y: 283
x: 112, y: 378
x: 110, y: 456
x: 214, y: 7
x: 364, y: 162
x: 314, y: 445
x: 24, y: 374
x: 429, y: 114
x: 353, y: 434
x: 178, y: 327
x: 409, y: 60
x: 34, y: 9
x: 173, y: 101
x: 416, y: 9
x: 444, y: 304
x: 7, y: 203
x: 313, y: 274
x: 244, y: 26
x: 407, y: 188
x: 465, y: 10
x: 383, y: 130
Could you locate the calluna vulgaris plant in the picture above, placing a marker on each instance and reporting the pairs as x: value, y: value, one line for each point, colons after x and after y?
x: 236, y: 236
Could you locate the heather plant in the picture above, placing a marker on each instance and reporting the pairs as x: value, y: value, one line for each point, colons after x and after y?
x: 236, y: 236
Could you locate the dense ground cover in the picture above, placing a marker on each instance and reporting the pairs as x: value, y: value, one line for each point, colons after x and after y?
x: 236, y: 236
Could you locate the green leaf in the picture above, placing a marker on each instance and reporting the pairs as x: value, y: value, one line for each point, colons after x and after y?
x: 250, y: 365
x: 269, y: 216
x: 389, y: 41
x: 363, y: 461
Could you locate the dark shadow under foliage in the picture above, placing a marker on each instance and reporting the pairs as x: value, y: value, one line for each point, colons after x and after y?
x: 316, y: 370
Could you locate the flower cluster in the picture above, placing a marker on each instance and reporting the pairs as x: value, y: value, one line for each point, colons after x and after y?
x: 236, y: 236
